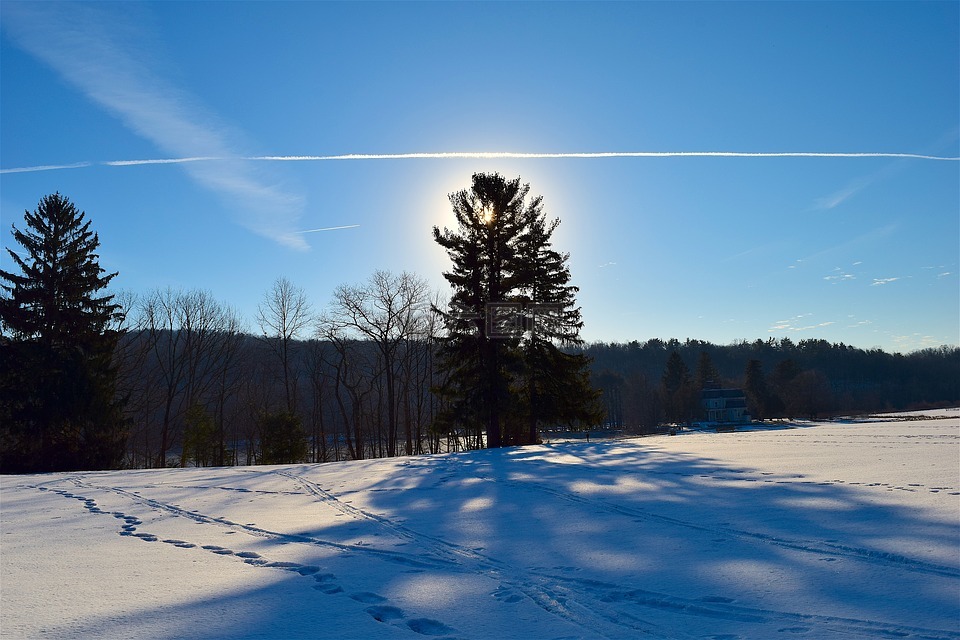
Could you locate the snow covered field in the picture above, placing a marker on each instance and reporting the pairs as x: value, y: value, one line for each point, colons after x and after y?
x: 846, y: 530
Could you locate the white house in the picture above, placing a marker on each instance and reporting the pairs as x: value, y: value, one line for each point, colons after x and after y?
x: 725, y: 405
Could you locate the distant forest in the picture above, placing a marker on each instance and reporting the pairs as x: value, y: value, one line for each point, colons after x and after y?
x: 202, y: 400
x: 808, y: 379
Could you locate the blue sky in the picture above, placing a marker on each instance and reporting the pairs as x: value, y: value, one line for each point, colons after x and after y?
x: 856, y: 249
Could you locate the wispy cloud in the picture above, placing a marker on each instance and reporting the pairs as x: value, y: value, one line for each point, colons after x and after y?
x: 847, y: 246
x: 857, y: 185
x: 941, y: 271
x: 798, y: 324
x: 95, y: 48
x: 839, y: 275
x: 877, y: 282
x: 916, y: 341
x: 844, y: 194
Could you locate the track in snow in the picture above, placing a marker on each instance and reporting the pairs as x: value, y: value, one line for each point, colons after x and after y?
x: 598, y: 608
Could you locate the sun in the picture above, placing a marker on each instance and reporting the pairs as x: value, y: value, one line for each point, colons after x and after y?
x: 486, y: 215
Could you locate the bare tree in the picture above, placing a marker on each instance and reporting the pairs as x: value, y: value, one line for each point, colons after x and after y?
x: 320, y: 377
x: 353, y: 383
x: 389, y: 310
x: 161, y: 326
x: 282, y: 316
x: 191, y: 340
x: 130, y: 361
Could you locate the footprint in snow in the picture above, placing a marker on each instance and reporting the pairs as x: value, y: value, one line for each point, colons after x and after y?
x: 506, y: 594
x: 385, y: 613
x: 428, y: 627
x: 326, y: 584
x: 367, y: 598
x: 306, y: 570
x: 388, y: 614
x: 256, y: 562
x: 218, y: 550
x: 180, y: 543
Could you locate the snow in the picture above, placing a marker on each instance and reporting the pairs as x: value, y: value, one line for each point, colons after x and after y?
x: 835, y: 529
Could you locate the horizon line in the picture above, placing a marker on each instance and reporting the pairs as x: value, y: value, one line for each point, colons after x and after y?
x: 489, y: 155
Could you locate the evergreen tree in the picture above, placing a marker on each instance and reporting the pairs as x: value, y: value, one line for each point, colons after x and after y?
x: 558, y: 389
x: 282, y: 438
x: 199, y: 437
x: 680, y: 399
x: 707, y: 375
x: 782, y: 401
x: 511, y: 311
x: 759, y: 401
x: 57, y: 386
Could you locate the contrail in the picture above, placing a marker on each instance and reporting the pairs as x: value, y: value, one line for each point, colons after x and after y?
x: 46, y: 167
x: 130, y: 163
x: 497, y: 155
x: 346, y: 226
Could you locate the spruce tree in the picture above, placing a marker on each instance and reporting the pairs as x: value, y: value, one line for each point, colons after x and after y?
x: 282, y: 438
x: 680, y: 400
x: 57, y: 384
x: 755, y: 388
x: 511, y: 310
x: 557, y: 386
x: 707, y: 375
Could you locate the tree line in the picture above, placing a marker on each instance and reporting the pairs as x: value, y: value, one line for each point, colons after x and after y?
x: 388, y: 367
x: 645, y: 384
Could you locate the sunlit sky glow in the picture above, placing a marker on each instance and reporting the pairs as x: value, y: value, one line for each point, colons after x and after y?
x: 723, y: 171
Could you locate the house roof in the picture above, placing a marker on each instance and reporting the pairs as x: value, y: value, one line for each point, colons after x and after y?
x: 722, y: 393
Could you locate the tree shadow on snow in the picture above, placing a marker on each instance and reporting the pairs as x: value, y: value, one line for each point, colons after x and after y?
x: 606, y: 539
x: 624, y: 526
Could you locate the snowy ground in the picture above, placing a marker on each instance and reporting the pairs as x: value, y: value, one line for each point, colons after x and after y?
x: 846, y: 530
